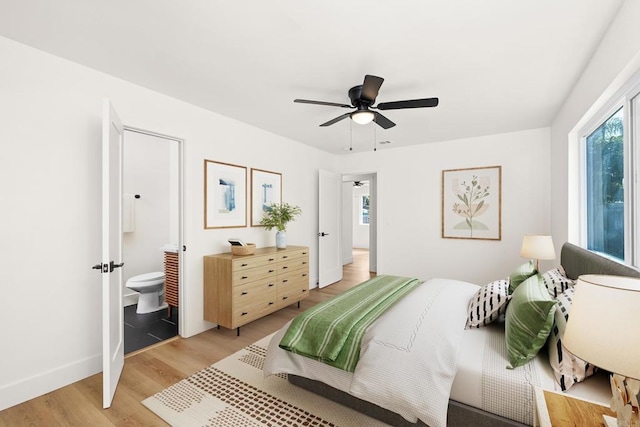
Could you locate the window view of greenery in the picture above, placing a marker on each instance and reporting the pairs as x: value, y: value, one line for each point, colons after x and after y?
x: 364, y: 218
x: 605, y: 195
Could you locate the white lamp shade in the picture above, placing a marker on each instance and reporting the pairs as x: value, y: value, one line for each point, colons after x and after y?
x: 537, y: 247
x: 603, y: 323
x: 362, y: 117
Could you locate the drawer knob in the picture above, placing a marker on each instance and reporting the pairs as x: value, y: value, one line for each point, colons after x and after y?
x: 304, y: 262
x: 304, y: 253
x: 285, y: 297
x: 304, y: 274
x: 271, y: 271
x: 244, y: 277
x: 271, y: 259
x: 244, y: 313
x: 244, y: 265
x: 285, y: 256
x: 304, y: 290
x: 271, y: 284
x: 285, y: 281
x: 270, y: 302
x: 285, y: 267
x: 244, y: 292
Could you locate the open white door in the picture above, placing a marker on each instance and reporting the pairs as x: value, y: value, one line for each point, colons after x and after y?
x: 329, y: 212
x: 112, y: 306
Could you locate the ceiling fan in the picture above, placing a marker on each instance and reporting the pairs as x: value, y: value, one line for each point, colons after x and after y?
x: 362, y: 99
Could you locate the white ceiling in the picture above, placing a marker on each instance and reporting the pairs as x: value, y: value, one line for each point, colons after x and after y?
x: 496, y: 65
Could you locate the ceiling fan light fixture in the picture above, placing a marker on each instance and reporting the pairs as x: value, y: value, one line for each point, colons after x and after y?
x: 362, y: 117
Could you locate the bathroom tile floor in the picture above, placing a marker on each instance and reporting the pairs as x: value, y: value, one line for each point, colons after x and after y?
x: 142, y: 330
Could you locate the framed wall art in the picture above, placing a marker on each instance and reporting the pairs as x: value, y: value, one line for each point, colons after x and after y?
x: 266, y: 188
x: 472, y: 203
x: 225, y: 195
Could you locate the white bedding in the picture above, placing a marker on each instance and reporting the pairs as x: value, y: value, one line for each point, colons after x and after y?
x: 482, y: 380
x: 395, y: 347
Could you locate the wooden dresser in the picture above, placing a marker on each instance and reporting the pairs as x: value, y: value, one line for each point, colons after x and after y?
x: 239, y: 289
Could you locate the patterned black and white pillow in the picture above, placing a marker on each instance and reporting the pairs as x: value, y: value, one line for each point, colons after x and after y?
x: 488, y: 304
x: 567, y: 368
x: 556, y: 281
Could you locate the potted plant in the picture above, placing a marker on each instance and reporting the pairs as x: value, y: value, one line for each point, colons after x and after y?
x: 277, y: 215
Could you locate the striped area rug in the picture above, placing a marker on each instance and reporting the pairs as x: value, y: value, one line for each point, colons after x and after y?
x: 234, y: 393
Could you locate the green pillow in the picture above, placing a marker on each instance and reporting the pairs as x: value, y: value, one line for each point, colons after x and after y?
x: 521, y: 274
x: 529, y: 320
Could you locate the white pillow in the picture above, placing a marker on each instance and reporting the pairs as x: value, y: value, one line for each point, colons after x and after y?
x: 488, y: 304
x: 567, y: 368
x: 557, y: 281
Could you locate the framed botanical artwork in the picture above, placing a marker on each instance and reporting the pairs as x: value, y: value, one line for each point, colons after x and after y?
x: 472, y: 203
x: 225, y: 195
x: 266, y: 188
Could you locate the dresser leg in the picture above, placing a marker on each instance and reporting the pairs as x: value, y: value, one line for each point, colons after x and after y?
x: 238, y: 331
x: 298, y: 304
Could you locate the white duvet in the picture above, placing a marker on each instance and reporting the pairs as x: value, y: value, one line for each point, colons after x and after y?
x: 409, y: 355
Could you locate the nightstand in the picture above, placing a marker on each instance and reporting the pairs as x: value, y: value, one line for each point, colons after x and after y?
x: 554, y: 409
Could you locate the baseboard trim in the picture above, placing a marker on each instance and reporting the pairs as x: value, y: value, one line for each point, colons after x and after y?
x: 37, y: 385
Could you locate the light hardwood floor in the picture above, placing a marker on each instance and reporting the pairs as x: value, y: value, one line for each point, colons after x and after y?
x: 151, y: 370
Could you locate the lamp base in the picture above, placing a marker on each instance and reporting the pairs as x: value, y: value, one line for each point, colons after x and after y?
x: 610, y: 421
x: 624, y: 402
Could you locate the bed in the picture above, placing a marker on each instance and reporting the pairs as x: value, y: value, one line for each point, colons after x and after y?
x: 472, y: 388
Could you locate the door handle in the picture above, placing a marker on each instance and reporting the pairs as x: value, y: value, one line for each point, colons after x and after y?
x: 113, y: 266
x: 323, y: 234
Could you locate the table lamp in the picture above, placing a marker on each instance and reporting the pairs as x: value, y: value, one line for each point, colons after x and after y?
x: 537, y: 247
x: 603, y: 330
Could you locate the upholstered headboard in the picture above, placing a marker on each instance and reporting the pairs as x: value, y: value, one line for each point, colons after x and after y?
x: 576, y: 261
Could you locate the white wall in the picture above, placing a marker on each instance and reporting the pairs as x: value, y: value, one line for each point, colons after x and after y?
x: 50, y: 171
x: 409, y: 216
x: 614, y: 61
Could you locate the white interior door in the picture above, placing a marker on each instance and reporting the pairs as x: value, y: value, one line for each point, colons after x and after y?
x: 112, y: 304
x: 329, y: 212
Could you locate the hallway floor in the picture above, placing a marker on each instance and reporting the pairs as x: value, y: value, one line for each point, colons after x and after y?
x: 143, y: 330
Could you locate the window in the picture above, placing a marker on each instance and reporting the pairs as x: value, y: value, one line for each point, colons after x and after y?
x: 610, y: 213
x: 604, y: 167
x: 364, y: 210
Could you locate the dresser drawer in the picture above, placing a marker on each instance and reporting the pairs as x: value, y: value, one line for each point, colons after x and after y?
x: 265, y: 271
x: 250, y: 293
x: 249, y: 312
x: 290, y: 255
x: 298, y: 275
x: 252, y: 261
x: 291, y: 294
x: 293, y: 264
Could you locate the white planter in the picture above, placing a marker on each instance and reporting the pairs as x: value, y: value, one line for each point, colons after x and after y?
x: 281, y: 240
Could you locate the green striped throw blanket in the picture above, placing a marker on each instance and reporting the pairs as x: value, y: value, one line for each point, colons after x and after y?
x: 332, y: 331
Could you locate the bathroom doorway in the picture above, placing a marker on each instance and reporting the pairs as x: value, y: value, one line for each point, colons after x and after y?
x: 359, y: 219
x: 152, y: 236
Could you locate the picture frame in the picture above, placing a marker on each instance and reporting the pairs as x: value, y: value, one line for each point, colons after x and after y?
x: 266, y: 188
x: 472, y: 203
x: 225, y: 195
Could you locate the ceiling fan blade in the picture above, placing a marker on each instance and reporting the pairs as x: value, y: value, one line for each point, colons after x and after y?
x: 330, y: 104
x: 370, y: 87
x: 382, y: 121
x: 336, y: 120
x: 413, y: 103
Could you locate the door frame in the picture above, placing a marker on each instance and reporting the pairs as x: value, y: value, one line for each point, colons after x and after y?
x: 181, y: 240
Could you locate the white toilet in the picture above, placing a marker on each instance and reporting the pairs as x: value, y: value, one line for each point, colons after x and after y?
x: 151, y: 289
